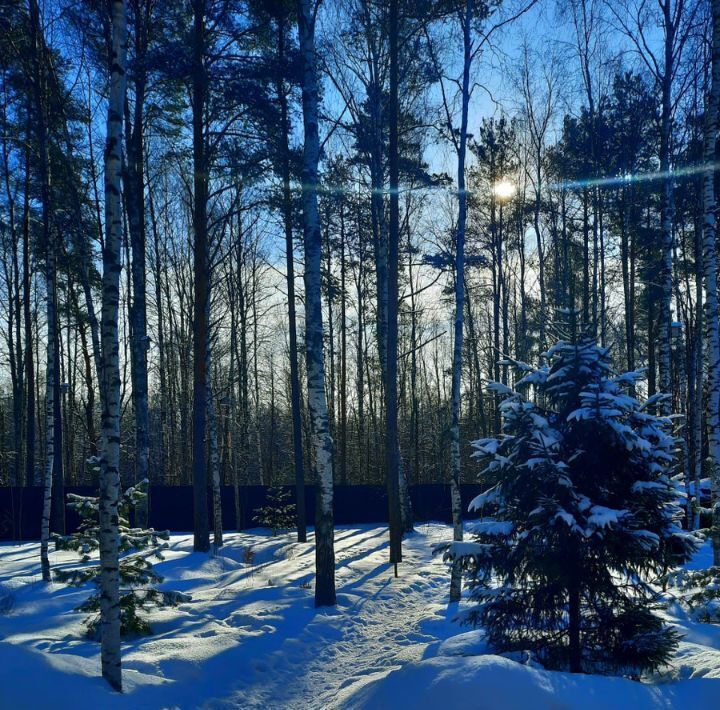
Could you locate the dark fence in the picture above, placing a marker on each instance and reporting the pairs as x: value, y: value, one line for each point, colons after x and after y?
x: 171, y: 508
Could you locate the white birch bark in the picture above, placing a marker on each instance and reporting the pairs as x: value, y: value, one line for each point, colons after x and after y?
x: 711, y: 277
x: 110, y: 456
x: 322, y: 444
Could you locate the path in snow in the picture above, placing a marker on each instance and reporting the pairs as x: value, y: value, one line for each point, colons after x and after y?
x: 380, y: 623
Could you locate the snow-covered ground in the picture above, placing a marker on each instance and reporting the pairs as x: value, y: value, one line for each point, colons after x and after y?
x: 251, y: 638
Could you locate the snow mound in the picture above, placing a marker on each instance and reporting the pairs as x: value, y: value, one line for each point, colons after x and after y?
x: 471, y: 643
x: 494, y: 682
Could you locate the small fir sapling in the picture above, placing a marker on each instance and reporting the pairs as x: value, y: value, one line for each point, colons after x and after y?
x: 582, y: 515
x: 278, y: 514
x: 137, y: 575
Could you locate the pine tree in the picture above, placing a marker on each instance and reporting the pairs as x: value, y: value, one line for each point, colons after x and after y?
x: 137, y: 576
x: 279, y: 513
x: 584, y: 515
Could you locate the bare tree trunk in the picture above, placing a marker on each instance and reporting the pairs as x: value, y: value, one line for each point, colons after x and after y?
x: 201, y: 538
x: 392, y: 450
x: 455, y: 578
x: 14, y: 338
x: 711, y: 278
x: 343, y: 351
x: 163, y: 458
x: 49, y: 412
x: 322, y: 444
x: 540, y: 250
x: 135, y: 201
x: 290, y: 279
x: 697, y: 399
x: 214, y: 456
x: 359, y: 371
x: 27, y: 319
x: 39, y: 96
x: 57, y: 504
x: 110, y: 392
x: 666, y: 216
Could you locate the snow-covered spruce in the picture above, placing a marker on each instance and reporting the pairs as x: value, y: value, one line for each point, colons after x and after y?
x: 137, y: 576
x: 583, y: 515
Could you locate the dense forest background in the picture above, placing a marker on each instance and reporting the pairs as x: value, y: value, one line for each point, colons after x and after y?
x: 583, y: 159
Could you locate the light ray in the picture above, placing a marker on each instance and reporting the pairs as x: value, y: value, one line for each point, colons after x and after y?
x: 601, y: 182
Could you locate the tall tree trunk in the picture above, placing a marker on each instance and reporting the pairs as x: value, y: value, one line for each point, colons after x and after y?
x: 359, y: 352
x: 290, y: 279
x: 392, y: 451
x: 540, y: 251
x: 697, y: 399
x: 322, y: 444
x: 162, y: 357
x: 455, y: 578
x: 711, y: 278
x: 14, y: 337
x: 414, y: 454
x: 135, y: 201
x: 57, y: 506
x: 201, y: 538
x: 343, y: 351
x: 110, y: 391
x: 214, y: 455
x: 666, y: 216
x: 628, y: 295
x: 27, y: 321
x: 574, y: 619
x: 39, y: 98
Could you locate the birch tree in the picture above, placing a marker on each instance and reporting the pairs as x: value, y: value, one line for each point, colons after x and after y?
x: 322, y: 445
x: 459, y: 139
x: 712, y: 108
x: 110, y: 391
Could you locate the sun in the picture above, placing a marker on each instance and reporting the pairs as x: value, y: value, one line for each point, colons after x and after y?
x: 504, y: 190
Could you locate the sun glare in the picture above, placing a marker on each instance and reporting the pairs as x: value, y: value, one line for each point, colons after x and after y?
x: 504, y: 190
